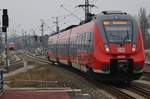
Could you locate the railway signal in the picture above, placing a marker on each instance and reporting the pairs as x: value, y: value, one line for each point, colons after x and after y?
x: 5, y: 19
x: 5, y: 24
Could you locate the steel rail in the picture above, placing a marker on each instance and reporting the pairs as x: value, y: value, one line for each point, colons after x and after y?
x: 111, y: 89
x: 139, y: 90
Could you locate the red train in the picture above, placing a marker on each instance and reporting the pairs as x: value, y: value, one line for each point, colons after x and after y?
x: 110, y: 46
x: 11, y: 46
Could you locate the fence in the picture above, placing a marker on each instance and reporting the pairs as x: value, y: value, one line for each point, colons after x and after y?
x: 1, y: 81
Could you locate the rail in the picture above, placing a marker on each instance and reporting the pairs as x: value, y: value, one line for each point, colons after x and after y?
x: 112, y: 90
x: 1, y: 81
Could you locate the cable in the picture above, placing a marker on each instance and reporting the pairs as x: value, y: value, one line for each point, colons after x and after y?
x: 93, y: 1
x: 70, y: 13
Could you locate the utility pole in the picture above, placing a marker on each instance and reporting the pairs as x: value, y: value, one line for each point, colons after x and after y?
x: 34, y: 40
x: 57, y: 31
x: 29, y: 42
x: 23, y: 40
x: 87, y: 8
x: 42, y: 36
x: 57, y: 24
x: 26, y: 43
x: 1, y: 40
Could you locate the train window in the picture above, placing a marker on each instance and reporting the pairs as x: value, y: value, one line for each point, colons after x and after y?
x: 84, y: 38
x: 91, y: 39
x: 80, y: 39
x: 118, y: 31
x: 77, y: 39
x: 88, y: 38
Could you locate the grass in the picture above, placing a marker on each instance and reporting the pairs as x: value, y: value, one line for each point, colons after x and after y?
x: 39, y: 73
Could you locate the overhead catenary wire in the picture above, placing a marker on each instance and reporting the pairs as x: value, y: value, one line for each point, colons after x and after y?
x: 71, y: 13
x: 93, y: 1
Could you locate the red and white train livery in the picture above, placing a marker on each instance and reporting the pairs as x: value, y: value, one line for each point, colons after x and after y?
x: 109, y: 46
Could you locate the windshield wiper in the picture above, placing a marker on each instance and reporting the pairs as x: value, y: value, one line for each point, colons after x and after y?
x: 124, y: 40
x: 116, y: 36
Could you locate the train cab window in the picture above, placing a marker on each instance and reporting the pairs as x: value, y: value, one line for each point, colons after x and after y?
x: 118, y: 31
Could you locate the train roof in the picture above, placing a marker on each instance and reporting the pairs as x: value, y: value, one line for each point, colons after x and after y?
x: 102, y: 15
x: 113, y: 14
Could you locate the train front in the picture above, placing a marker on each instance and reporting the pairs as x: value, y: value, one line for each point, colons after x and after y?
x: 118, y: 47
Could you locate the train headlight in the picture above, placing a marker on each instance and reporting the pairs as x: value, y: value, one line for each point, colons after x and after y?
x: 107, y: 48
x: 133, y: 47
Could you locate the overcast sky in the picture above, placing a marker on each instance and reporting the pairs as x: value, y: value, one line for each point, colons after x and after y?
x: 26, y: 14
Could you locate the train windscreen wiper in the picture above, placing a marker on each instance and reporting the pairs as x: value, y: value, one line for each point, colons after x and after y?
x: 124, y: 40
x: 116, y: 36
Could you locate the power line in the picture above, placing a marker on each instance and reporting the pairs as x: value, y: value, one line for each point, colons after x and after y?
x: 71, y: 13
x: 93, y: 1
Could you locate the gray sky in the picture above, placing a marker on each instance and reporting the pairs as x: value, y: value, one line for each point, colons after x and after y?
x: 26, y: 14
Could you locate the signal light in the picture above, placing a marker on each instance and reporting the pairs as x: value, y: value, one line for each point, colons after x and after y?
x: 5, y: 19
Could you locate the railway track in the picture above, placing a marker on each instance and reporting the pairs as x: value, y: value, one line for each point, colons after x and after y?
x: 11, y: 59
x: 108, y: 88
x: 139, y: 90
x: 2, y: 63
x: 13, y: 62
x: 146, y: 73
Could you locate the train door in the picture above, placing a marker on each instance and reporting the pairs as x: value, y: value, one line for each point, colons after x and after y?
x: 84, y: 47
x: 57, y: 46
x: 69, y: 49
x: 81, y: 48
x: 88, y: 46
x: 77, y: 47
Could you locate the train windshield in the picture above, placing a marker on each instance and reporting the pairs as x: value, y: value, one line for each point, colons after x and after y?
x: 118, y: 31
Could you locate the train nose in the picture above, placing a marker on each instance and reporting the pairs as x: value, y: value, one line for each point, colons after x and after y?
x: 116, y: 49
x: 123, y: 66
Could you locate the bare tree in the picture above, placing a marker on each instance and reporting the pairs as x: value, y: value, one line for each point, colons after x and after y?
x: 144, y: 26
